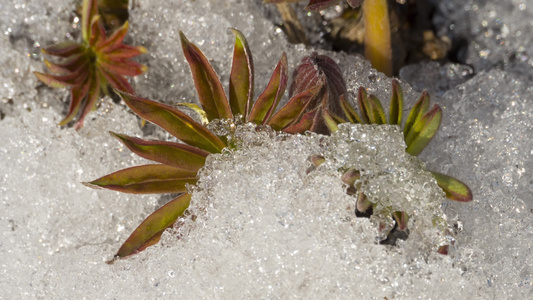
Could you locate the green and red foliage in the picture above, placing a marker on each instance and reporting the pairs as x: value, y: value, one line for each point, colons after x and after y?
x: 90, y: 67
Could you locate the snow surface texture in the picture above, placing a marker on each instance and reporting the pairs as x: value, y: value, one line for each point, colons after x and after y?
x: 275, y: 232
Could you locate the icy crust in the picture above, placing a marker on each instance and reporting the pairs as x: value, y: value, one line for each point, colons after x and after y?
x: 266, y: 227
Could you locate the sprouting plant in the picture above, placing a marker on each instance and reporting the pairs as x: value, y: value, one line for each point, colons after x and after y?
x: 377, y: 37
x: 90, y: 67
x: 178, y: 163
x: 421, y: 125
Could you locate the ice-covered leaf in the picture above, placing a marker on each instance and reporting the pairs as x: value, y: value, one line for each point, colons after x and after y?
x: 349, y: 111
x: 173, y: 154
x: 208, y: 86
x: 396, y: 104
x: 454, y: 189
x: 329, y: 120
x: 266, y: 104
x: 147, y: 179
x: 364, y: 105
x: 423, y: 131
x: 150, y: 230
x: 175, y: 122
x: 402, y: 218
x: 241, y: 85
x: 304, y: 124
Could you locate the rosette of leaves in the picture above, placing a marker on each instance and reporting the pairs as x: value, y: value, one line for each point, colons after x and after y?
x: 90, y: 67
x: 420, y: 127
x: 177, y: 164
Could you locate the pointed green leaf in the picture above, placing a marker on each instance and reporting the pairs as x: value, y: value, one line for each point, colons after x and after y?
x: 396, y: 104
x: 89, y: 10
x: 266, y: 104
x: 349, y: 111
x: 241, y: 84
x: 149, y: 231
x: 423, y: 131
x: 175, y: 122
x: 208, y: 86
x: 173, y: 154
x: 147, y: 179
x: 420, y: 108
x: 98, y: 33
x: 294, y: 109
x: 375, y: 110
x: 330, y: 122
x: 454, y: 189
x: 364, y: 105
x: 64, y: 49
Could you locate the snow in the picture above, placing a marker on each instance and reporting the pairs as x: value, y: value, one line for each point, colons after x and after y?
x: 264, y: 227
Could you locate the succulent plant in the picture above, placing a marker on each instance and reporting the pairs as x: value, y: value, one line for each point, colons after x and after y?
x: 420, y: 127
x: 90, y: 67
x: 178, y: 163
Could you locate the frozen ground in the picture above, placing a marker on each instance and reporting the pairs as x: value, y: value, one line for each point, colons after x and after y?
x: 264, y: 228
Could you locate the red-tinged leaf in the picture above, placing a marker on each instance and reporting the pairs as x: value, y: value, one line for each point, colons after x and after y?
x: 321, y: 4
x: 64, y: 49
x: 69, y: 65
x: 267, y: 102
x: 175, y: 122
x: 173, y: 154
x: 304, y: 124
x: 89, y: 10
x: 77, y: 94
x: 443, y: 249
x: 208, y: 86
x: 454, y: 189
x: 376, y: 112
x: 115, y: 40
x: 125, y: 52
x: 294, y: 109
x: 241, y: 84
x: 330, y: 121
x: 116, y: 81
x: 364, y: 105
x: 90, y: 101
x: 351, y: 176
x: 423, y: 131
x: 418, y: 110
x: 316, y: 70
x: 396, y: 104
x: 61, y: 81
x: 147, y: 179
x: 349, y: 111
x: 150, y: 230
x: 402, y: 218
x: 362, y: 203
x: 97, y: 31
x: 124, y: 67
